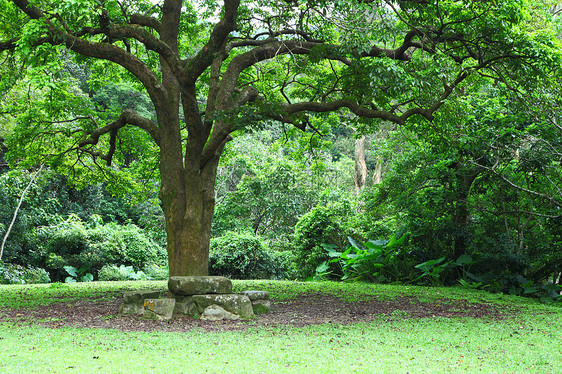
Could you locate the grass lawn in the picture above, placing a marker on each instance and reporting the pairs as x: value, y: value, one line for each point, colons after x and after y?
x: 529, y: 342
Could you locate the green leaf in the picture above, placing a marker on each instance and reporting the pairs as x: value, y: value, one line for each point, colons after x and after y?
x: 428, y: 265
x: 377, y: 243
x: 529, y: 290
x: 397, y: 239
x: 464, y: 260
x: 69, y: 280
x: 323, y: 267
x: 331, y: 249
x: 373, y: 246
x: 355, y: 244
x: 71, y: 270
x: 552, y: 287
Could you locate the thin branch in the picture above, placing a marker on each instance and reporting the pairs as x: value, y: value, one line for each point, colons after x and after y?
x: 17, y: 209
x: 518, y: 187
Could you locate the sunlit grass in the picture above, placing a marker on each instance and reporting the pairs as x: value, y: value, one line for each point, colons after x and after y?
x: 400, y: 346
x: 28, y: 296
x: 45, y: 294
x: 530, y: 342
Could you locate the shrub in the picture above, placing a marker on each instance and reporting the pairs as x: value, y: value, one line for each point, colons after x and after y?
x: 92, y: 245
x: 54, y: 261
x: 128, y: 245
x: 36, y: 275
x: 322, y: 225
x: 380, y: 260
x: 11, y: 274
x: 134, y: 247
x: 65, y: 238
x: 110, y: 273
x: 77, y: 275
x: 17, y: 274
x: 242, y: 256
x: 121, y: 273
x: 156, y: 272
x: 286, y: 265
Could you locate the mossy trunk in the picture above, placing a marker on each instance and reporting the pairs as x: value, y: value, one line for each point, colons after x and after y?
x: 188, y: 202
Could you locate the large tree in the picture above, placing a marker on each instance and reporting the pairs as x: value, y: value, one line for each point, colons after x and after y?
x: 211, y: 69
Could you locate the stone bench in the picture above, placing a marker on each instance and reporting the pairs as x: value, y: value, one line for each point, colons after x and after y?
x: 207, y: 298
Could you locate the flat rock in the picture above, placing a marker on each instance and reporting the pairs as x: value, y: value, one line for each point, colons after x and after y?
x: 138, y: 297
x: 236, y: 304
x: 186, y: 305
x: 159, y: 309
x: 216, y: 313
x: 131, y: 309
x: 188, y: 286
x: 256, y: 295
x: 261, y: 306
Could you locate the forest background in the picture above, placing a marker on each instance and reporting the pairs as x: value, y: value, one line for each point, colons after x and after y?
x: 471, y: 198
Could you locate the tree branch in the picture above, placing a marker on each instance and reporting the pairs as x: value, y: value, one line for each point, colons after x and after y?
x: 105, y: 51
x: 17, y: 209
x: 518, y: 187
x: 146, y: 21
x: 198, y: 64
x: 127, y: 117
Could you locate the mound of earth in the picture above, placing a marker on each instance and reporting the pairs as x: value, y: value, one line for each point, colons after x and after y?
x: 308, y: 309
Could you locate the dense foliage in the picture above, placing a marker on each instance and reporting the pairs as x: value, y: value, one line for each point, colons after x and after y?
x: 209, y: 70
x: 451, y: 107
x: 58, y: 226
x: 245, y: 256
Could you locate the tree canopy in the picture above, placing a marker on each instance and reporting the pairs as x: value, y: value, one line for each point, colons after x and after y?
x: 211, y: 69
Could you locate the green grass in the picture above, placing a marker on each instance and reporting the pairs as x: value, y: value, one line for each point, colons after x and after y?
x: 528, y: 343
x: 33, y: 295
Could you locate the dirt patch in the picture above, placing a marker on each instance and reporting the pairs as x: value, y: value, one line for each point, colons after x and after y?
x: 308, y: 309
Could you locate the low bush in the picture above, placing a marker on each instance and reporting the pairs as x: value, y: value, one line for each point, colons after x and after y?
x: 380, y: 261
x: 11, y: 274
x: 242, y: 256
x: 36, y: 275
x: 17, y: 274
x: 92, y: 245
x: 120, y: 273
x: 156, y: 272
x: 322, y: 225
x: 77, y: 275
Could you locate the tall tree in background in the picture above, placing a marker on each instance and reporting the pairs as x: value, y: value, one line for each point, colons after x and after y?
x: 212, y: 70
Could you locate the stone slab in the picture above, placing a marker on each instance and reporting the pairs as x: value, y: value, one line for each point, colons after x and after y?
x: 256, y: 295
x: 233, y: 303
x: 159, y: 309
x: 189, y: 286
x: 261, y: 306
x: 217, y: 313
x: 138, y: 297
x: 132, y: 309
x: 186, y: 305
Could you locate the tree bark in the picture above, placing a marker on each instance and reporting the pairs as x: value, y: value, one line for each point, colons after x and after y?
x: 188, y: 201
x: 377, y: 176
x: 360, y: 164
x: 188, y: 224
x: 461, y: 212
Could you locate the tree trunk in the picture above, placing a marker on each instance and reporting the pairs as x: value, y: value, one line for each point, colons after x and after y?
x: 360, y: 164
x: 377, y: 176
x: 460, y: 219
x: 461, y: 212
x: 188, y: 203
x: 188, y: 227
